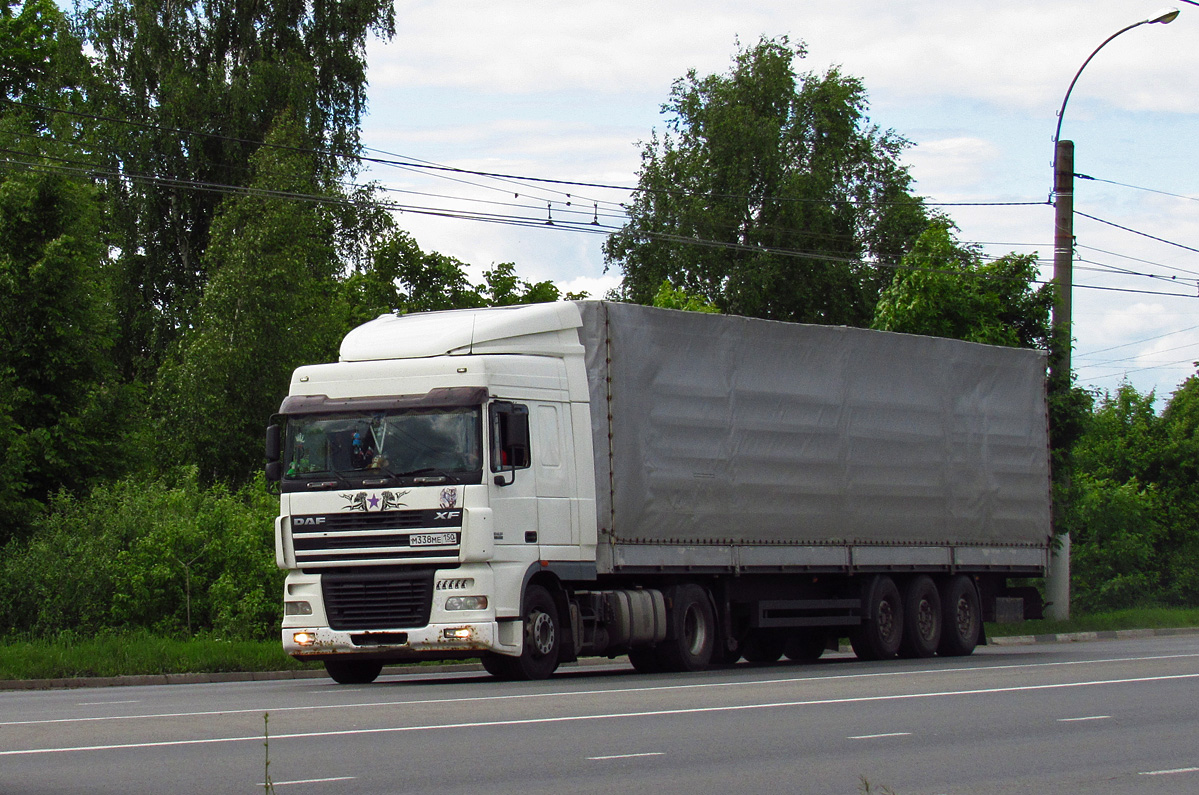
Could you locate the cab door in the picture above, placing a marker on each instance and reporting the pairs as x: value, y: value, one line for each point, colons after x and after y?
x: 552, y: 470
x: 514, y: 494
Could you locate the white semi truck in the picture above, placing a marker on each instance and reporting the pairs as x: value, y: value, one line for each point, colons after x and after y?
x: 534, y: 484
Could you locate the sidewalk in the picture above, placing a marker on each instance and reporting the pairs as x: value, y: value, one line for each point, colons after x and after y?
x: 262, y: 676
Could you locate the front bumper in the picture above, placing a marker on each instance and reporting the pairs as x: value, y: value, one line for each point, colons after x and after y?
x: 435, y: 641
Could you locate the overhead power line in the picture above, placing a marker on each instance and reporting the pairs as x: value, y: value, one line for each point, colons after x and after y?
x: 1137, y: 187
x: 406, y: 162
x: 1137, y: 232
x: 590, y: 227
x: 1138, y: 259
x: 1139, y: 342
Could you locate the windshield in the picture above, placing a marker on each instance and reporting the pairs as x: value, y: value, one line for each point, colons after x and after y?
x: 393, y: 443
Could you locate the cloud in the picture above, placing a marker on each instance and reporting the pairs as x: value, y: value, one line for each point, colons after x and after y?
x: 949, y: 165
x: 1020, y: 53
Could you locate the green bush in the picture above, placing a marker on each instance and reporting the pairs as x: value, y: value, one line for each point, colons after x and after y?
x: 1115, y: 558
x: 170, y: 557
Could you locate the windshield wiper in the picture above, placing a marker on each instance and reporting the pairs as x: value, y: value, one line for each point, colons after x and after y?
x: 437, y: 473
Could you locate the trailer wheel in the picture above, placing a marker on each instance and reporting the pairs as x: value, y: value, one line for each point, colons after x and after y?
x: 763, y: 646
x: 881, y: 630
x: 691, y: 625
x: 922, y: 618
x: 353, y: 672
x: 805, y: 646
x: 961, y: 613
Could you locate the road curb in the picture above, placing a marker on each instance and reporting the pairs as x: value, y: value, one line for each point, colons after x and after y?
x: 393, y: 670
x: 1080, y: 637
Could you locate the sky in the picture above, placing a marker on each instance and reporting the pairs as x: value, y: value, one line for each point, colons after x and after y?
x: 568, y: 91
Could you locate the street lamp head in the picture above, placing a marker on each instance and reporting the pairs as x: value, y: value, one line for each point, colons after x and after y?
x: 1165, y: 16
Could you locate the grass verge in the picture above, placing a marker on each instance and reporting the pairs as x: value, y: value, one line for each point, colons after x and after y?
x: 1133, y: 618
x: 133, y: 653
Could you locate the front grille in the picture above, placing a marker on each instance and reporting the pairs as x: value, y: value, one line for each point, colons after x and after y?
x: 386, y: 536
x: 392, y: 599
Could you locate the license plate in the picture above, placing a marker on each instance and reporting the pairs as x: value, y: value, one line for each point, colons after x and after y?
x: 432, y: 539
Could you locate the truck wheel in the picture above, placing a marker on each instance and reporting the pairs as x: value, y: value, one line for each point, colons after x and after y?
x: 805, y: 646
x: 961, y: 623
x: 922, y: 618
x: 543, y: 636
x: 645, y: 660
x: 500, y: 666
x: 353, y: 672
x: 879, y: 634
x: 691, y: 623
x: 762, y: 646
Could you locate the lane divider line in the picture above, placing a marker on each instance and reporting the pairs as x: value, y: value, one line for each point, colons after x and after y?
x: 609, y: 715
x: 572, y: 693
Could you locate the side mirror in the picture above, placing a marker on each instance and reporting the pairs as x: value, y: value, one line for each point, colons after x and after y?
x: 272, y: 443
x: 274, y: 469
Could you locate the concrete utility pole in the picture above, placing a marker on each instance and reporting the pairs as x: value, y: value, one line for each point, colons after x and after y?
x: 1057, y: 580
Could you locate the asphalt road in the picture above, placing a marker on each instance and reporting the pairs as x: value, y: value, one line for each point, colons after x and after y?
x: 1111, y: 717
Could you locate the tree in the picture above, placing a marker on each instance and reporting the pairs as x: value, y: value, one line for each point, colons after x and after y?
x: 945, y: 289
x: 29, y: 45
x: 769, y: 195
x: 269, y: 307
x: 402, y: 278
x: 1178, y: 478
x: 186, y: 90
x: 1136, y: 535
x: 58, y: 399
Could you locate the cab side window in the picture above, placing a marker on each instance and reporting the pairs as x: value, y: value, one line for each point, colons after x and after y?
x: 509, y: 436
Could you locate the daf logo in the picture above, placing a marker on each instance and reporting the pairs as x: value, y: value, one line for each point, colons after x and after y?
x: 447, y: 515
x: 300, y: 521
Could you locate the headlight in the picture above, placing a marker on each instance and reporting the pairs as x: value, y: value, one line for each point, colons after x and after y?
x: 297, y: 608
x: 466, y: 603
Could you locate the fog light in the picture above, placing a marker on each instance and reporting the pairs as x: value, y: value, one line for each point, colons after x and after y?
x: 456, y: 633
x: 466, y: 603
x: 304, y: 638
x: 297, y: 608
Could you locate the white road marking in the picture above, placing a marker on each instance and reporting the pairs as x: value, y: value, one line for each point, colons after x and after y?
x: 625, y: 756
x: 1174, y: 772
x: 615, y: 690
x: 106, y: 703
x: 877, y: 736
x: 611, y: 715
x: 308, y: 781
x: 1088, y: 717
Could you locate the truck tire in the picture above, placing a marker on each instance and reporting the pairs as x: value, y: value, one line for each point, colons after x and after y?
x: 541, y: 645
x: 691, y: 630
x: 763, y: 646
x: 498, y: 665
x: 922, y: 618
x: 646, y: 660
x: 353, y: 672
x: 881, y: 630
x: 961, y: 623
x: 805, y: 646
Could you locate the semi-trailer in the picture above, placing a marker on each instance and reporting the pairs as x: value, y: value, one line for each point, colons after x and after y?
x: 539, y: 483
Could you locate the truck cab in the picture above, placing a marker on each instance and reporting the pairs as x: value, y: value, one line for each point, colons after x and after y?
x: 425, y: 479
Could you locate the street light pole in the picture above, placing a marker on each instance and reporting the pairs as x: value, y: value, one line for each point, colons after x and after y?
x: 1057, y: 580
